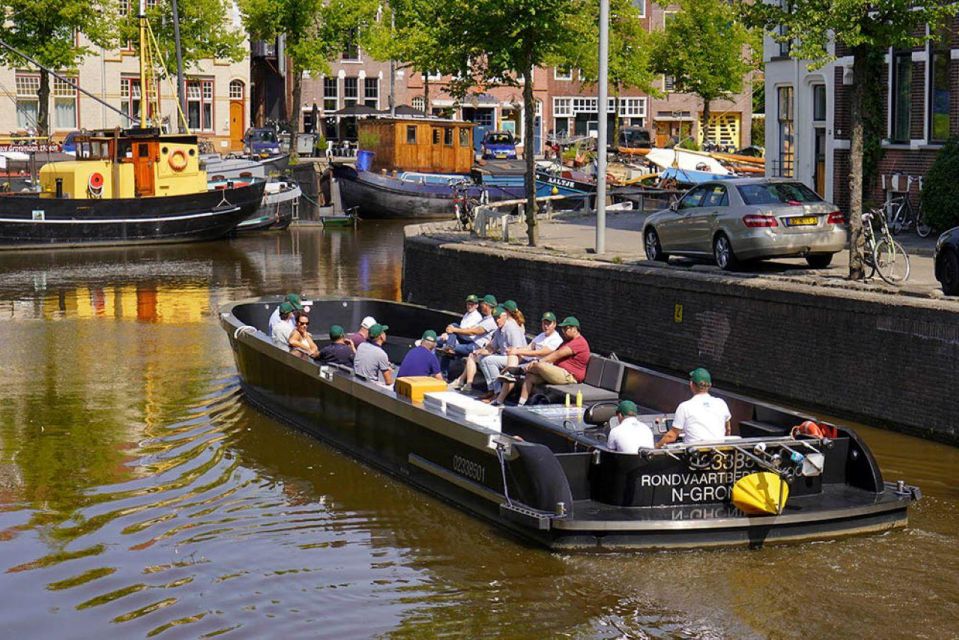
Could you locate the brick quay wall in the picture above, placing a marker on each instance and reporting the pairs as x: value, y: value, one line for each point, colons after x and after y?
x: 887, y: 360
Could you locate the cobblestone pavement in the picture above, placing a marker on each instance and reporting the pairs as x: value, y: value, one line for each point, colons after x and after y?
x: 574, y: 234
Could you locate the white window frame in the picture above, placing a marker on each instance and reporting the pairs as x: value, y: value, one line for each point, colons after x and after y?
x: 566, y: 76
x: 366, y: 91
x: 237, y: 95
x: 418, y: 103
x: 334, y: 96
x: 642, y: 7
x: 28, y: 90
x: 64, y: 93
x: 201, y: 91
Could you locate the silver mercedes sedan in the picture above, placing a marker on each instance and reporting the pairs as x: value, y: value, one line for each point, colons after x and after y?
x: 747, y: 219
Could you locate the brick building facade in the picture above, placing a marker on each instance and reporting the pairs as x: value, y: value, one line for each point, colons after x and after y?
x: 808, y: 116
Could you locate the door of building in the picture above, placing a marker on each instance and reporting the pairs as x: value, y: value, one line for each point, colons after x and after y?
x: 237, y: 125
x: 819, y: 175
x: 143, y: 168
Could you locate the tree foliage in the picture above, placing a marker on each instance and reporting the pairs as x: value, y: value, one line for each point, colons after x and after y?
x: 46, y: 30
x: 706, y: 49
x: 939, y: 188
x: 862, y: 27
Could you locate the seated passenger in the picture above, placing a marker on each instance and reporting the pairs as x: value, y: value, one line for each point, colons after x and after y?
x: 566, y: 365
x: 702, y: 417
x: 462, y: 346
x: 281, y: 329
x: 339, y: 351
x: 461, y: 342
x: 294, y: 301
x: 630, y: 435
x: 301, y: 342
x: 543, y: 344
x: 507, y: 334
x: 371, y: 361
x: 420, y: 360
x: 513, y: 310
x: 363, y: 333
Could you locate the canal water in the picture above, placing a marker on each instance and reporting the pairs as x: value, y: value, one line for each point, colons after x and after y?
x: 141, y: 497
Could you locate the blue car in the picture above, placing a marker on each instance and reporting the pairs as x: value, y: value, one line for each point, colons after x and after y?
x: 69, y: 143
x: 261, y: 143
x: 499, y: 145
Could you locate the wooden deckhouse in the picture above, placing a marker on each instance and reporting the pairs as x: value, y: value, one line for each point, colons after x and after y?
x: 416, y: 144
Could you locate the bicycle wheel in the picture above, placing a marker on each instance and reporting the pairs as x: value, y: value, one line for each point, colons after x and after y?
x: 891, y: 261
x: 923, y: 228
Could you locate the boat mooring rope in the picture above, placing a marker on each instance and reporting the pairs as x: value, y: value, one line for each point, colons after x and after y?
x: 502, y: 466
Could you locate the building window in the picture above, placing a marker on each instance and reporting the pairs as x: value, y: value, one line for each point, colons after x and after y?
x: 371, y: 92
x: 350, y: 92
x: 130, y: 98
x: 434, y: 76
x: 352, y: 50
x: 64, y: 105
x: 236, y: 90
x: 563, y: 73
x: 786, y: 148
x: 562, y: 107
x: 641, y: 6
x: 939, y: 90
x: 330, y: 94
x: 419, y: 103
x: 819, y: 102
x: 28, y: 101
x: 901, y: 96
x: 199, y: 105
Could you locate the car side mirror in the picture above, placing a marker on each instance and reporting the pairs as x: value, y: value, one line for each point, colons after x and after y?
x: 674, y: 205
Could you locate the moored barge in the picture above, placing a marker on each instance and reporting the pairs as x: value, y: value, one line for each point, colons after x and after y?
x: 544, y: 472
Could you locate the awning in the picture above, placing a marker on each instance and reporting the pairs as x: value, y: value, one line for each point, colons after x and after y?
x: 405, y: 110
x: 356, y: 110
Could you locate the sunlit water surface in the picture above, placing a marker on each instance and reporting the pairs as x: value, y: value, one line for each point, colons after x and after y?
x: 141, y: 497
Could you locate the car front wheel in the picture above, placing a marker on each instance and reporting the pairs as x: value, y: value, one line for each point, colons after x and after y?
x: 654, y: 250
x: 723, y: 253
x: 949, y: 273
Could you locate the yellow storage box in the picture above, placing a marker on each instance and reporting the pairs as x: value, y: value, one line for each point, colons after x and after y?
x: 415, y: 387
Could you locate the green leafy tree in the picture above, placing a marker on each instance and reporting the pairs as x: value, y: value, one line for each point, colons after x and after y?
x: 863, y: 27
x: 47, y: 31
x: 501, y: 42
x: 316, y: 31
x: 706, y: 49
x: 630, y: 48
x: 939, y: 190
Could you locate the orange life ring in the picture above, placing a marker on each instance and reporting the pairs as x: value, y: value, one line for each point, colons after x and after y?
x: 177, y: 164
x: 95, y: 182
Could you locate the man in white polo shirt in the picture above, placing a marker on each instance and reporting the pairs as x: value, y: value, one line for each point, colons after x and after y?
x: 630, y: 435
x: 702, y: 417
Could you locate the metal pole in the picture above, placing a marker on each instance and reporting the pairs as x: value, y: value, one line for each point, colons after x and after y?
x: 144, y: 84
x: 603, y: 100
x: 180, y: 80
x: 392, y: 69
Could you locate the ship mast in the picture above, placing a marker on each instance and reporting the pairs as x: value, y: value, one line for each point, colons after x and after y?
x: 144, y: 67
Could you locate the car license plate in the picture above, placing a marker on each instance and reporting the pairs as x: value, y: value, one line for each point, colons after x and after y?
x: 804, y: 221
x: 500, y: 156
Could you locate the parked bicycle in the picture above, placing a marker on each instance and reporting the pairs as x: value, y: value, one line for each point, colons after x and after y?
x: 903, y: 216
x: 464, y: 204
x: 881, y: 253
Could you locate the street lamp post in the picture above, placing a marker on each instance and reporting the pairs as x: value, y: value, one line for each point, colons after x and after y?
x: 603, y: 107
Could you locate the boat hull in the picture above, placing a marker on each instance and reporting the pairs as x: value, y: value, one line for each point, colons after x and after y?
x: 561, y: 499
x: 29, y: 221
x: 275, y: 212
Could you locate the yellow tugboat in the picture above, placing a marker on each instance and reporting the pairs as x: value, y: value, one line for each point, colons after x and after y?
x: 127, y: 186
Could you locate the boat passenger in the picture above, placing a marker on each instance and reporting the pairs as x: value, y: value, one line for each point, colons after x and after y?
x: 478, y: 334
x: 280, y: 331
x: 363, y: 333
x: 509, y: 335
x: 340, y: 350
x: 297, y: 304
x: 464, y: 345
x: 513, y: 310
x: 519, y: 359
x: 371, y: 361
x: 420, y: 360
x: 630, y: 435
x: 701, y: 418
x: 301, y: 342
x: 566, y: 365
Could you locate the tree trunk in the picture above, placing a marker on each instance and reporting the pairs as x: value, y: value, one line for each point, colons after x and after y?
x: 294, y: 115
x: 426, y: 93
x: 529, y: 115
x: 705, y: 122
x: 43, y: 113
x: 616, y: 120
x: 859, y: 67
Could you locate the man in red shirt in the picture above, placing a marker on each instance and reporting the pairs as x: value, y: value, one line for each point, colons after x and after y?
x: 566, y: 365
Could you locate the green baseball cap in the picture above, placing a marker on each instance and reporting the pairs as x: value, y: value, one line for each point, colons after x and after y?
x: 472, y: 298
x: 498, y: 311
x: 336, y: 332
x: 430, y: 335
x: 549, y: 316
x: 286, y: 307
x: 378, y: 329
x: 489, y: 299
x: 294, y: 299
x: 627, y: 408
x: 569, y: 321
x: 510, y: 305
x: 700, y: 376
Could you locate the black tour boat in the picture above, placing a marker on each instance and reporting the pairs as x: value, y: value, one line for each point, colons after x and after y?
x: 545, y: 473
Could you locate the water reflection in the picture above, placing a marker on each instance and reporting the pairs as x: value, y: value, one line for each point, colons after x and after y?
x: 139, y: 494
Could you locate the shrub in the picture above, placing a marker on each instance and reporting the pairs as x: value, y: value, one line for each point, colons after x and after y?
x: 940, y: 197
x: 689, y: 143
x: 368, y: 140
